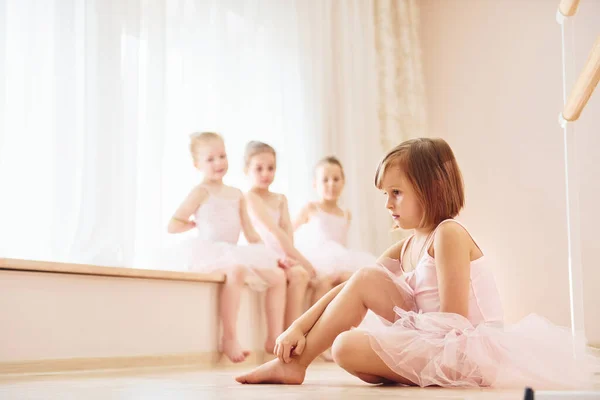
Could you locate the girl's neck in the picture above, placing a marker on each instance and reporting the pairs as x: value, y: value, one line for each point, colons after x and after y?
x: 423, y: 233
x: 328, y: 204
x: 213, y: 184
x: 262, y: 192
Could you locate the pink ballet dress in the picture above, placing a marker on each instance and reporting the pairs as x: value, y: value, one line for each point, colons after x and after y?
x: 322, y: 240
x: 215, y: 248
x: 431, y: 348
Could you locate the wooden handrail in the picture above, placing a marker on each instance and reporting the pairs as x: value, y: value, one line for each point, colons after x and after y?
x: 585, y: 85
x: 117, y: 272
x: 568, y: 8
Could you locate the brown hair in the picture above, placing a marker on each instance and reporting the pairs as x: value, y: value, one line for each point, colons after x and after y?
x: 199, y: 139
x: 333, y: 161
x: 255, y: 147
x: 431, y: 168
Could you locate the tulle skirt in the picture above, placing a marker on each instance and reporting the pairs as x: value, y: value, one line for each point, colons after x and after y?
x: 444, y: 349
x: 330, y: 258
x: 207, y: 256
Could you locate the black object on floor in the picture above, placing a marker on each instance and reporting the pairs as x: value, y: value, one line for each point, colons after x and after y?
x: 528, y: 394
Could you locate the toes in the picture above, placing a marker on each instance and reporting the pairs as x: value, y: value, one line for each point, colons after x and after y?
x: 240, y: 357
x: 244, y: 378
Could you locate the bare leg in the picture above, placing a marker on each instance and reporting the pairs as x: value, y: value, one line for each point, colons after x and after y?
x: 342, y: 277
x: 352, y: 351
x: 323, y: 285
x: 230, y: 306
x: 274, y: 304
x: 370, y: 288
x: 298, y: 279
x: 328, y: 283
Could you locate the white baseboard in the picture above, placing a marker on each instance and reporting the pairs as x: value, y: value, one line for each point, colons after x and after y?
x: 192, y: 360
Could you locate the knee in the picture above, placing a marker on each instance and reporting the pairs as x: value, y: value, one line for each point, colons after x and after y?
x: 341, y: 350
x: 275, y: 277
x: 369, y: 276
x: 236, y: 274
x: 321, y: 284
x: 343, y: 277
x: 327, y: 280
x: 298, y: 276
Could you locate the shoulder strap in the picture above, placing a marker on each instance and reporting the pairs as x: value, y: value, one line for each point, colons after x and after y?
x: 346, y: 215
x: 403, y: 250
x: 430, y: 240
x: 318, y: 206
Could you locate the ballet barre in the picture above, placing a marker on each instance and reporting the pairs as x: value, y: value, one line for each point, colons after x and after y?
x: 568, y: 8
x: 572, y: 108
x: 584, y: 86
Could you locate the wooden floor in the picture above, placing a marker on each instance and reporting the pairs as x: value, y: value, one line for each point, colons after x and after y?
x: 324, y: 381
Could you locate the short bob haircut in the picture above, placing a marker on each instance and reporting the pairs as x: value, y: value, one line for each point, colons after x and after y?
x: 431, y: 168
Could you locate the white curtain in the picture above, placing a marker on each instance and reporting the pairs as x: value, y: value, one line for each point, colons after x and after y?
x: 97, y: 99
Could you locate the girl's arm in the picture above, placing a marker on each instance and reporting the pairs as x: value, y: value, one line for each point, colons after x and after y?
x: 257, y: 207
x: 304, y: 216
x: 247, y: 227
x: 391, y: 258
x: 285, y: 221
x: 180, y: 222
x: 452, y: 248
x: 310, y: 317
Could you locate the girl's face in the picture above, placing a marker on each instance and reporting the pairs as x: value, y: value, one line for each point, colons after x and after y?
x: 401, y: 199
x: 329, y: 182
x: 261, y: 170
x: 212, y: 160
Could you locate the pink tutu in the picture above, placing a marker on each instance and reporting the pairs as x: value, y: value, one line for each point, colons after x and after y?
x: 332, y: 258
x: 443, y: 349
x: 215, y: 248
x: 322, y: 241
x: 207, y: 256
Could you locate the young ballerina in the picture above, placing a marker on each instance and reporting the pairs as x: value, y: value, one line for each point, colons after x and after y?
x: 271, y: 218
x: 219, y: 214
x: 322, y: 230
x: 444, y: 317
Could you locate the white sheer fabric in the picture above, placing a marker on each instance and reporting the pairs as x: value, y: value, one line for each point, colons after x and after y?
x: 97, y: 99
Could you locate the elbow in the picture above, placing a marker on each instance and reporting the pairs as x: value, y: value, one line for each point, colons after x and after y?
x: 252, y: 238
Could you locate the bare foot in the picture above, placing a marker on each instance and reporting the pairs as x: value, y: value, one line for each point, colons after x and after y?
x: 233, y: 350
x: 275, y: 372
x: 269, y: 345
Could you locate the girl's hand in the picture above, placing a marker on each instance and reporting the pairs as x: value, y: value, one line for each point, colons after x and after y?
x: 287, y: 262
x: 311, y: 271
x: 291, y: 342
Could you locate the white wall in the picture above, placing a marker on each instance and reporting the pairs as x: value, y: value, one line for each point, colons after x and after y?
x: 62, y: 316
x: 493, y: 76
